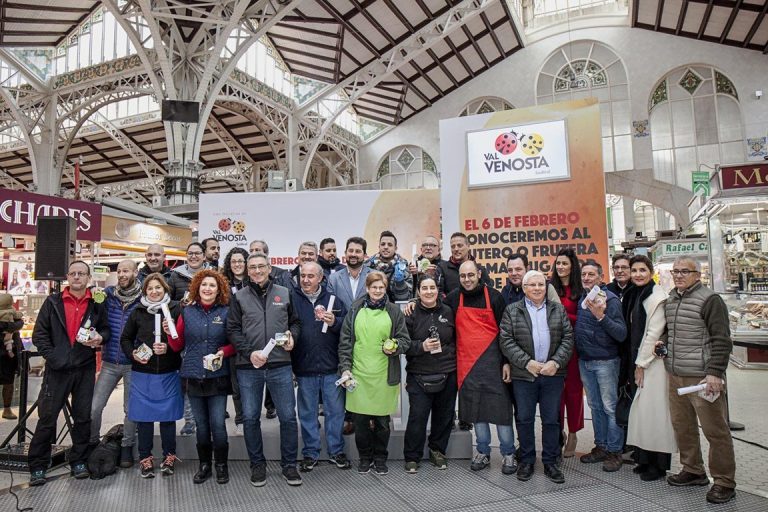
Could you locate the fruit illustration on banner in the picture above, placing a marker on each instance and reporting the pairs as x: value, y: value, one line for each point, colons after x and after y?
x: 532, y: 144
x: 506, y: 143
x: 225, y: 224
x: 238, y: 226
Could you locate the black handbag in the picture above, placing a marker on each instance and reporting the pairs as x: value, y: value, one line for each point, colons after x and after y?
x: 433, y: 382
x: 623, y: 405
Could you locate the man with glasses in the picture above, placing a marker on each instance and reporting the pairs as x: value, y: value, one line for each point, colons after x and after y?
x: 430, y: 251
x: 258, y: 313
x: 621, y: 283
x: 277, y: 275
x: 182, y: 275
x: 698, y: 350
x: 154, y: 261
x: 482, y: 373
x: 69, y: 328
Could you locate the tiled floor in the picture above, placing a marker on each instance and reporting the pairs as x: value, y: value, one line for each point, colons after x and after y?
x: 327, y: 488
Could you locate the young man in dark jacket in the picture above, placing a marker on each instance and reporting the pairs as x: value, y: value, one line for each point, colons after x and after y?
x: 115, y: 365
x: 63, y: 336
x: 599, y: 331
x: 315, y: 360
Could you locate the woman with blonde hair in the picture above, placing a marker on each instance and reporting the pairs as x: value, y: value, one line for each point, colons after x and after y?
x: 373, y: 336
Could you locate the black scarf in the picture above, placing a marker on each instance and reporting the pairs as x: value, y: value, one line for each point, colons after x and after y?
x: 635, y: 316
x: 375, y: 304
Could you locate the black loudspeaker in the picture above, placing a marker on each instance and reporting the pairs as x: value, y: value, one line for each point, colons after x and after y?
x: 55, y: 247
x: 180, y: 111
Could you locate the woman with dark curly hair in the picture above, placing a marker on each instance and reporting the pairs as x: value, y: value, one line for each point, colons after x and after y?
x: 234, y: 269
x: 202, y: 336
x: 566, y: 279
x: 155, y: 388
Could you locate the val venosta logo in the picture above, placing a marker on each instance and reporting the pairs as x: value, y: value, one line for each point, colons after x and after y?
x: 507, y: 144
x: 225, y: 225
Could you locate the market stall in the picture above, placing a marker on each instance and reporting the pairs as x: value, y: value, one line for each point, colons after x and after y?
x: 736, y: 216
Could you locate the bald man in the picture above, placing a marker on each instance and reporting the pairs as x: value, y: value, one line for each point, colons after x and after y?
x: 154, y: 261
x: 121, y: 301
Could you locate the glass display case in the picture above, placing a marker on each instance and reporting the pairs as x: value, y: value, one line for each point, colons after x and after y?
x: 748, y: 315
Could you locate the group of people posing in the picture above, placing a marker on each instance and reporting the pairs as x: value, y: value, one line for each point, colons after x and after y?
x: 204, y: 331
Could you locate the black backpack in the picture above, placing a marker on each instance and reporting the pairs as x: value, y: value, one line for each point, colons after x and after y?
x: 104, y: 459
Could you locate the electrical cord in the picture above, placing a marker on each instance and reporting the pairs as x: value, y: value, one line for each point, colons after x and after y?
x: 10, y: 488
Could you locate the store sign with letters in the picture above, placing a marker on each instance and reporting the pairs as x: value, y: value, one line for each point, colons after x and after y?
x: 19, y: 212
x: 744, y: 176
x: 683, y: 248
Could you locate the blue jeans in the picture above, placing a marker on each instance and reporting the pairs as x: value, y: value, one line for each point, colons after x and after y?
x: 279, y: 381
x: 311, y: 389
x: 209, y: 414
x: 601, y: 380
x: 546, y: 392
x: 506, y: 438
x: 106, y: 383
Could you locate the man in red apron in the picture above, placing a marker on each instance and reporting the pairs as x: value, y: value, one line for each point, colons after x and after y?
x: 484, y: 397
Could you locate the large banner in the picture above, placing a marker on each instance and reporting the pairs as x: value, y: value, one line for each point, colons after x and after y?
x: 286, y: 219
x: 526, y: 180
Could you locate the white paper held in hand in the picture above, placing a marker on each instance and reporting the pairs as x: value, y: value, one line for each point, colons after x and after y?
x: 157, y: 327
x: 169, y: 319
x: 687, y: 390
x: 592, y: 295
x: 329, y: 308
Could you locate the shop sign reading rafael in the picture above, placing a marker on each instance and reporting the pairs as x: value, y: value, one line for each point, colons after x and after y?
x: 19, y: 212
x: 685, y: 248
x: 518, y: 154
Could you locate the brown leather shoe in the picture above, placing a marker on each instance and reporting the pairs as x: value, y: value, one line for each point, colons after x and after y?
x: 349, y: 428
x: 612, y: 462
x: 596, y: 455
x: 720, y: 494
x: 570, y: 445
x: 684, y: 479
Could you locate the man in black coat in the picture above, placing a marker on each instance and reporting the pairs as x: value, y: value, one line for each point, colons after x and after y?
x: 69, y: 327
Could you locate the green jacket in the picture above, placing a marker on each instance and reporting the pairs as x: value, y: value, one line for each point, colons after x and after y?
x: 399, y: 333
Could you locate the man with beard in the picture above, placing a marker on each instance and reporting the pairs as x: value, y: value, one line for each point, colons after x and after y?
x: 482, y: 372
x: 121, y: 301
x: 347, y: 285
x: 394, y: 266
x: 430, y: 251
x: 327, y: 258
x: 459, y: 254
x: 211, y: 246
x: 154, y: 261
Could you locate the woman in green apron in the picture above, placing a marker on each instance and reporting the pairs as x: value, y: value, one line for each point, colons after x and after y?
x: 372, y: 338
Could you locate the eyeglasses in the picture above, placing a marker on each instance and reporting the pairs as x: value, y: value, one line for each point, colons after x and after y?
x: 685, y: 272
x: 77, y: 274
x: 621, y: 267
x: 257, y: 267
x: 196, y: 253
x: 535, y: 285
x: 429, y: 245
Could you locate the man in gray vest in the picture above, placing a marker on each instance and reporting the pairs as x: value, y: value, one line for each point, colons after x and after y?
x: 259, y: 313
x: 699, y: 344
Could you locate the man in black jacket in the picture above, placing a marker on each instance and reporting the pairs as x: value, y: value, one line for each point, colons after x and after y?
x: 154, y: 261
x: 459, y: 254
x: 621, y: 283
x: 69, y: 327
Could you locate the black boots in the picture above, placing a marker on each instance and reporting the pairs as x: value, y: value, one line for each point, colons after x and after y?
x: 222, y: 470
x: 205, y: 456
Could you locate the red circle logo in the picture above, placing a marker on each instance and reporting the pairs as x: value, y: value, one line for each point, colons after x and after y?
x: 278, y: 299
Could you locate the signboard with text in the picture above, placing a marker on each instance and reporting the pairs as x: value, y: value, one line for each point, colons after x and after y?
x: 539, y: 214
x: 518, y: 154
x: 745, y: 176
x: 19, y: 212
